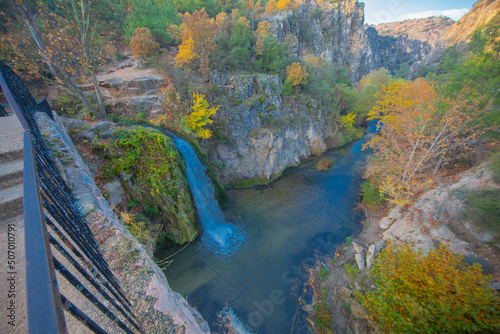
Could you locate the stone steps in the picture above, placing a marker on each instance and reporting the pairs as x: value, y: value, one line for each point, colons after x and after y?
x: 11, y: 202
x: 11, y: 173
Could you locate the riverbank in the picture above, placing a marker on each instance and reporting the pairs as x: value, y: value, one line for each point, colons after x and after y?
x: 435, y: 218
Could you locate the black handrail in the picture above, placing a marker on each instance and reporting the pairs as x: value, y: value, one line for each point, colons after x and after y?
x: 56, y: 229
x: 40, y: 275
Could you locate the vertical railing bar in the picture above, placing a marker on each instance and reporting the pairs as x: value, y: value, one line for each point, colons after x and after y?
x: 80, y: 316
x: 41, y: 284
x: 87, y: 276
x: 92, y: 255
x: 44, y: 181
x: 90, y: 267
x: 89, y: 295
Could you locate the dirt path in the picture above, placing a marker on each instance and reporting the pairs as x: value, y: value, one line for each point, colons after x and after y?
x: 113, y: 71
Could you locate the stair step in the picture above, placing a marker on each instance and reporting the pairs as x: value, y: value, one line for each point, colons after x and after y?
x: 11, y: 144
x: 11, y: 202
x: 11, y: 174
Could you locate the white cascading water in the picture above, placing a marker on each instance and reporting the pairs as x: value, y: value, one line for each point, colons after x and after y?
x: 220, y: 236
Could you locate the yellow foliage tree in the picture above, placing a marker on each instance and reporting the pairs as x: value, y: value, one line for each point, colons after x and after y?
x: 264, y: 28
x: 282, y: 5
x: 186, y: 53
x: 296, y: 74
x: 200, y: 116
x: 259, y: 46
x: 314, y: 61
x: 271, y: 7
x: 142, y: 43
x: 420, y: 129
x: 433, y: 293
x: 202, y: 30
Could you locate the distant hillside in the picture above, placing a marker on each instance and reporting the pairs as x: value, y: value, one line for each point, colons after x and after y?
x: 425, y: 30
x: 481, y: 14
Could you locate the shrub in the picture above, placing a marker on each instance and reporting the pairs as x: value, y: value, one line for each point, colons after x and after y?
x: 324, y: 164
x: 352, y: 270
x: 151, y: 211
x: 430, y: 294
x: 143, y: 43
x: 200, y: 117
x: 483, y: 208
x: 287, y: 88
x: 371, y: 196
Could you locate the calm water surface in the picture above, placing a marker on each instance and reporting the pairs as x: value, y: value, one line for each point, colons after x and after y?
x: 288, y: 224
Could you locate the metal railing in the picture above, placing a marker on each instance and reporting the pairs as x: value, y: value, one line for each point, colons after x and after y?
x: 59, y: 244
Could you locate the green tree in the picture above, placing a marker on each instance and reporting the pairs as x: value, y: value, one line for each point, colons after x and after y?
x: 155, y: 15
x: 433, y: 293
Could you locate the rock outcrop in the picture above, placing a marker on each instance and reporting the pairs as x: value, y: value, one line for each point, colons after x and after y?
x: 334, y: 31
x: 434, y: 218
x: 264, y: 135
x: 158, y: 307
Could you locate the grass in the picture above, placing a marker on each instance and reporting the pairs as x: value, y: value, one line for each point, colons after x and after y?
x: 322, y: 314
x: 483, y: 208
x: 352, y: 270
x: 371, y: 196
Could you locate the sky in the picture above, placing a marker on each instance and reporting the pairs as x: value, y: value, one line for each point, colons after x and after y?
x: 382, y: 11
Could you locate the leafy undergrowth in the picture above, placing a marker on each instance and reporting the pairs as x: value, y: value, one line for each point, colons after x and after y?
x: 159, y: 186
x: 433, y: 293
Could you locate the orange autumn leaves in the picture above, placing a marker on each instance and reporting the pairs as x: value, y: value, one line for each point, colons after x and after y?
x: 198, y: 40
x: 421, y: 129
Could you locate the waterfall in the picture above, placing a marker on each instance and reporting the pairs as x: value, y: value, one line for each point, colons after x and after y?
x: 220, y: 236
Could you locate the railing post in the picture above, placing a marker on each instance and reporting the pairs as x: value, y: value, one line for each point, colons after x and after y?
x: 45, y: 314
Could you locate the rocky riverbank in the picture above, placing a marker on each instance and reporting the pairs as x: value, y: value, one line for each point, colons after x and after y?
x: 435, y: 218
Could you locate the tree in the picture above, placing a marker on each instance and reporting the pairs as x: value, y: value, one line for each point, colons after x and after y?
x: 420, y: 129
x: 63, y: 44
x: 186, y: 53
x: 202, y: 30
x: 264, y: 28
x: 297, y: 74
x: 241, y: 33
x: 433, y: 293
x: 155, y: 15
x: 143, y: 43
x: 200, y: 116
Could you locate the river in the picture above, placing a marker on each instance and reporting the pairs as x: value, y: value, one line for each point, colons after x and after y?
x: 289, y: 224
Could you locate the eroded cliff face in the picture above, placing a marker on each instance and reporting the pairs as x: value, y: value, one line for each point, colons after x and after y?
x: 334, y: 31
x: 265, y: 134
x: 337, y: 33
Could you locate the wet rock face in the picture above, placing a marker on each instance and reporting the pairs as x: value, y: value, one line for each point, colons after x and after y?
x: 264, y: 135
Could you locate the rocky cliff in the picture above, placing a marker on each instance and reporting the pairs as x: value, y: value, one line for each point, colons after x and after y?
x: 481, y: 14
x: 336, y: 31
x: 266, y: 134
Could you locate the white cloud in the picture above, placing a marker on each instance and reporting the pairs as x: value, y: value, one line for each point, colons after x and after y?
x: 454, y: 14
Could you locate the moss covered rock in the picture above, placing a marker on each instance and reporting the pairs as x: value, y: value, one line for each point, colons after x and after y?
x: 156, y: 179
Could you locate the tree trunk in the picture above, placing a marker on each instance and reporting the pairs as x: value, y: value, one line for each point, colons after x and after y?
x: 100, y: 100
x: 438, y: 165
x: 58, y: 71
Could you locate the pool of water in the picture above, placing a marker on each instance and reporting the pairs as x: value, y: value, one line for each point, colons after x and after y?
x: 289, y: 224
